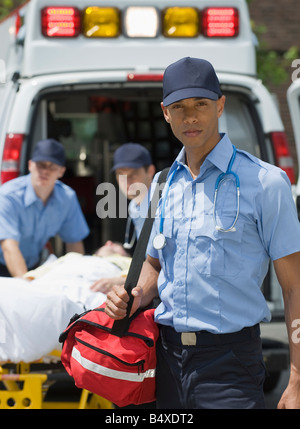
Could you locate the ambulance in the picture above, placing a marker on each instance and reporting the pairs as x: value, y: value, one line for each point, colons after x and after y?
x: 89, y: 73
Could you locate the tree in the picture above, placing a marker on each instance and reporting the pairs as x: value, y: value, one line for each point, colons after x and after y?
x: 7, y: 6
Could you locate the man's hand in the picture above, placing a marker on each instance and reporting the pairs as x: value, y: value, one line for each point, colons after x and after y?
x: 104, y: 285
x: 117, y: 301
x: 291, y: 396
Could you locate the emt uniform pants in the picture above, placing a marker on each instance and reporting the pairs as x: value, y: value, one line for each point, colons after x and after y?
x: 224, y: 371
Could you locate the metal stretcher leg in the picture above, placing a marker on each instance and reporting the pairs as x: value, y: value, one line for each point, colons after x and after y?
x: 24, y: 391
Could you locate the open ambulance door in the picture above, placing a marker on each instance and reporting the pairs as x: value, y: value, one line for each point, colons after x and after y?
x: 293, y: 98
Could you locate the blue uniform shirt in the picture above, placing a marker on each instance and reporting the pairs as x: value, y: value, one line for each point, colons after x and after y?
x: 23, y: 217
x: 211, y: 280
x: 138, y: 213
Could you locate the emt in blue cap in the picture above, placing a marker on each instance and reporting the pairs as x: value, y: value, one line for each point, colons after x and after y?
x: 222, y: 216
x: 36, y: 207
x: 134, y: 173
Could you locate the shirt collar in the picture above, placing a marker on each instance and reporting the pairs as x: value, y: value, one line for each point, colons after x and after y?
x: 30, y: 196
x: 220, y: 155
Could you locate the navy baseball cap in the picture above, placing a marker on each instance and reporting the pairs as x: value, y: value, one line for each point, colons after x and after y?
x: 131, y: 155
x: 189, y: 78
x: 49, y: 150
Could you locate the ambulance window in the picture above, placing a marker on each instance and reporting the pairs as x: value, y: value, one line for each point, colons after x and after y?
x: 239, y: 123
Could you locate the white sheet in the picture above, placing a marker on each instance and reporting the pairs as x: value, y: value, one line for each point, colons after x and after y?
x: 33, y: 314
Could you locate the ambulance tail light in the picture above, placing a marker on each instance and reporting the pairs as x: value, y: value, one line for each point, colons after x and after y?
x: 60, y: 21
x: 11, y: 157
x: 220, y: 22
x: 282, y: 153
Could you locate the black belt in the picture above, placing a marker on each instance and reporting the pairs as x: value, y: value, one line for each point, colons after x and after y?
x: 205, y: 338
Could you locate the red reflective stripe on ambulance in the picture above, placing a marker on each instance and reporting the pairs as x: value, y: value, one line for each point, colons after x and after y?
x: 145, y: 77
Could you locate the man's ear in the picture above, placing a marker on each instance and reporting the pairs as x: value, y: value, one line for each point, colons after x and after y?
x: 61, y: 172
x: 165, y: 112
x: 221, y: 105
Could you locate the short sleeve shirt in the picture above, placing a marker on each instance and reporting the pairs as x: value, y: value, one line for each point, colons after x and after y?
x: 211, y: 280
x: 24, y: 218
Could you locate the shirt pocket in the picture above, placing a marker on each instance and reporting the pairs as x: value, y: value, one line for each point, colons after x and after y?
x: 218, y: 253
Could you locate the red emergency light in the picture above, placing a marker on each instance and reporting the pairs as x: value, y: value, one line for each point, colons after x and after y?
x: 60, y: 21
x: 220, y: 22
x: 11, y: 157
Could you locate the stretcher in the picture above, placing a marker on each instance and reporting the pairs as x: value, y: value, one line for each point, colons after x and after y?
x: 32, y: 315
x: 29, y: 385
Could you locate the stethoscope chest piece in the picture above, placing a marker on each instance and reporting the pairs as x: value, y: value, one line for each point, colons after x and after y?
x: 159, y: 241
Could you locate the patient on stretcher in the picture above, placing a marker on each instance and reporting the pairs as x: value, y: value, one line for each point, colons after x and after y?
x: 34, y: 313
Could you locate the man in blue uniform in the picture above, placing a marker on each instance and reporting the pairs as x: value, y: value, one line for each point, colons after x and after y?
x: 36, y: 207
x: 134, y: 171
x: 223, y: 215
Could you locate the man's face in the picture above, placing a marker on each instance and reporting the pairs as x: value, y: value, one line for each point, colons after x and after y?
x: 194, y: 121
x: 134, y: 182
x: 44, y: 174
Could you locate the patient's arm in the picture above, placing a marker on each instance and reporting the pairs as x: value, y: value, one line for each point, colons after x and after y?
x: 77, y: 247
x: 13, y: 257
x: 104, y: 285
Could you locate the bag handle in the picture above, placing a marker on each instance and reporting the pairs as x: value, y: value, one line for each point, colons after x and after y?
x: 120, y: 327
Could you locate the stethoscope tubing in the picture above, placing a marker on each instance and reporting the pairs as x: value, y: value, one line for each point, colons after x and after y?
x: 219, y: 180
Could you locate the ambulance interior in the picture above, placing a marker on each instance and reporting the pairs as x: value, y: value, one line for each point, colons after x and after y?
x: 92, y: 123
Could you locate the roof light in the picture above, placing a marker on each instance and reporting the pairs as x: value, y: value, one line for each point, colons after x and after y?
x: 60, y: 22
x: 141, y: 22
x: 220, y: 22
x: 180, y: 22
x: 101, y: 22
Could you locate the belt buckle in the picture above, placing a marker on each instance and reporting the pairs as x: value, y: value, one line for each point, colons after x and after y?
x: 188, y: 338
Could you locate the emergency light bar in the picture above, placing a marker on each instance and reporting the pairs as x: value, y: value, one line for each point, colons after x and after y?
x: 101, y: 22
x: 181, y: 22
x: 140, y: 22
x: 60, y: 22
x: 220, y: 22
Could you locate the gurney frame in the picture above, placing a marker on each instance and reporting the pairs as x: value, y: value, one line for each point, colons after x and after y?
x: 26, y: 386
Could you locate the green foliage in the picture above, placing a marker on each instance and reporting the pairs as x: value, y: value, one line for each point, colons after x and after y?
x: 273, y: 68
x: 7, y: 6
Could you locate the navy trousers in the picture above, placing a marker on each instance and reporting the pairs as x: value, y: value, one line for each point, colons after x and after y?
x: 217, y: 373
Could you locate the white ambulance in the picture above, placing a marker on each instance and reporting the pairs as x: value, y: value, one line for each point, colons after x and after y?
x: 90, y: 75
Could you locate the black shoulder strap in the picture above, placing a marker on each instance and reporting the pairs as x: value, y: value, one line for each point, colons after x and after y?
x: 120, y: 326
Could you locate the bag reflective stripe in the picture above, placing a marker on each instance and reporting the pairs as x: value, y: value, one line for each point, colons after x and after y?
x: 112, y: 373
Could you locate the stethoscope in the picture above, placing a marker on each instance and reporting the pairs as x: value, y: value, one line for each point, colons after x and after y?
x: 159, y: 240
x: 129, y: 244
